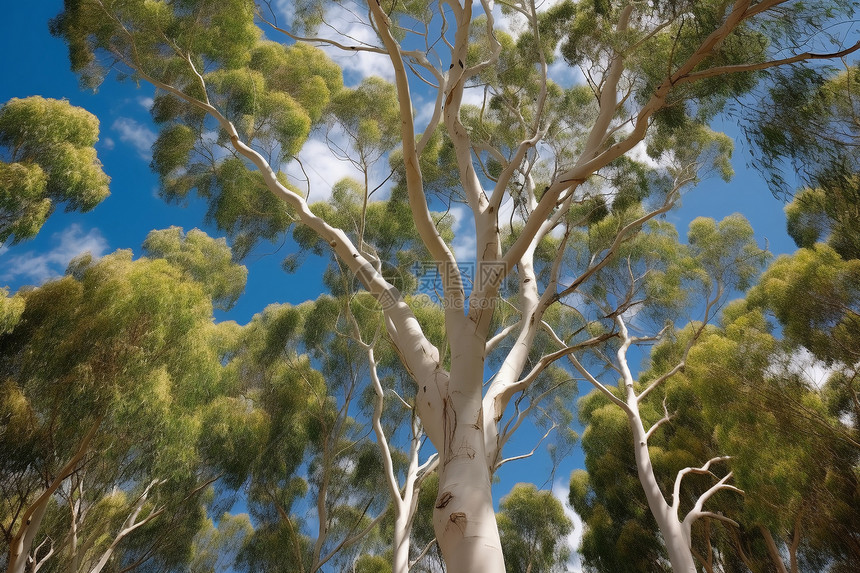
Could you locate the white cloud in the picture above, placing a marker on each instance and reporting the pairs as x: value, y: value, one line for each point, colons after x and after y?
x: 804, y: 364
x: 639, y: 153
x: 145, y: 102
x: 574, y: 538
x: 345, y: 27
x: 473, y: 96
x: 285, y: 9
x: 135, y: 134
x: 322, y: 169
x: 39, y: 267
x: 563, y: 73
x: 108, y: 143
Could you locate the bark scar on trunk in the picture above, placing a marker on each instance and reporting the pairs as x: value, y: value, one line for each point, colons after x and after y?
x: 459, y: 519
x: 445, y: 499
x: 479, y: 424
x: 449, y: 421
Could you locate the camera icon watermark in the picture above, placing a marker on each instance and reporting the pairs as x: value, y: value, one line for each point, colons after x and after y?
x: 473, y: 276
x: 429, y: 277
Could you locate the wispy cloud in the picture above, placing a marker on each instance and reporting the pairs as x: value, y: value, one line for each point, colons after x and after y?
x: 135, y: 134
x: 345, y: 26
x: 39, y: 267
x: 145, y: 102
x: 321, y: 168
x: 804, y: 364
x: 574, y: 539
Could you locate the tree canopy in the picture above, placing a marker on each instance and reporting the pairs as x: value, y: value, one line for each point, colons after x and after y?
x: 46, y: 157
x: 504, y: 240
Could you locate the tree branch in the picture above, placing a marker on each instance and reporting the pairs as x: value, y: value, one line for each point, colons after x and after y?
x: 739, y: 68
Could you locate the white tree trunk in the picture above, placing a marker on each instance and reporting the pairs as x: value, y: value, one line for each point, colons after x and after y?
x: 464, y: 518
x: 675, y: 535
x: 19, y: 548
x: 402, y: 528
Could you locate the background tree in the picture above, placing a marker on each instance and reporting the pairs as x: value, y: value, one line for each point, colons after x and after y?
x: 104, y: 375
x: 742, y: 396
x: 46, y: 157
x: 662, y: 280
x: 317, y: 486
x: 533, y: 527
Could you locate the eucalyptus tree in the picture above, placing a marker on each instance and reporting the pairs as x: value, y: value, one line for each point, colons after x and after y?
x: 320, y: 491
x: 103, y: 375
x: 312, y: 478
x: 531, y: 163
x: 533, y: 527
x: 741, y: 401
x: 46, y: 157
x: 665, y: 281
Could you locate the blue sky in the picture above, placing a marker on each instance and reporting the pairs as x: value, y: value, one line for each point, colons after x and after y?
x: 34, y: 63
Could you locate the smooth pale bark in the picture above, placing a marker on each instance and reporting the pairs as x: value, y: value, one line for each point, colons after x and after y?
x: 676, y: 538
x: 408, y: 504
x: 464, y: 518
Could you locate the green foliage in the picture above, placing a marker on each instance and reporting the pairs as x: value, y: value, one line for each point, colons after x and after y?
x: 11, y: 309
x: 815, y: 295
x: 799, y: 464
x: 46, y: 157
x: 830, y: 212
x: 207, y: 261
x: 726, y: 251
x: 215, y: 547
x: 372, y: 564
x: 370, y: 116
x: 533, y: 525
x: 128, y: 347
x: 810, y: 126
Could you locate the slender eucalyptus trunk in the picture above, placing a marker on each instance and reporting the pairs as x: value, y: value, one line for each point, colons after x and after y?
x: 22, y: 543
x: 773, y: 550
x: 19, y: 549
x: 675, y: 535
x: 402, y: 538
